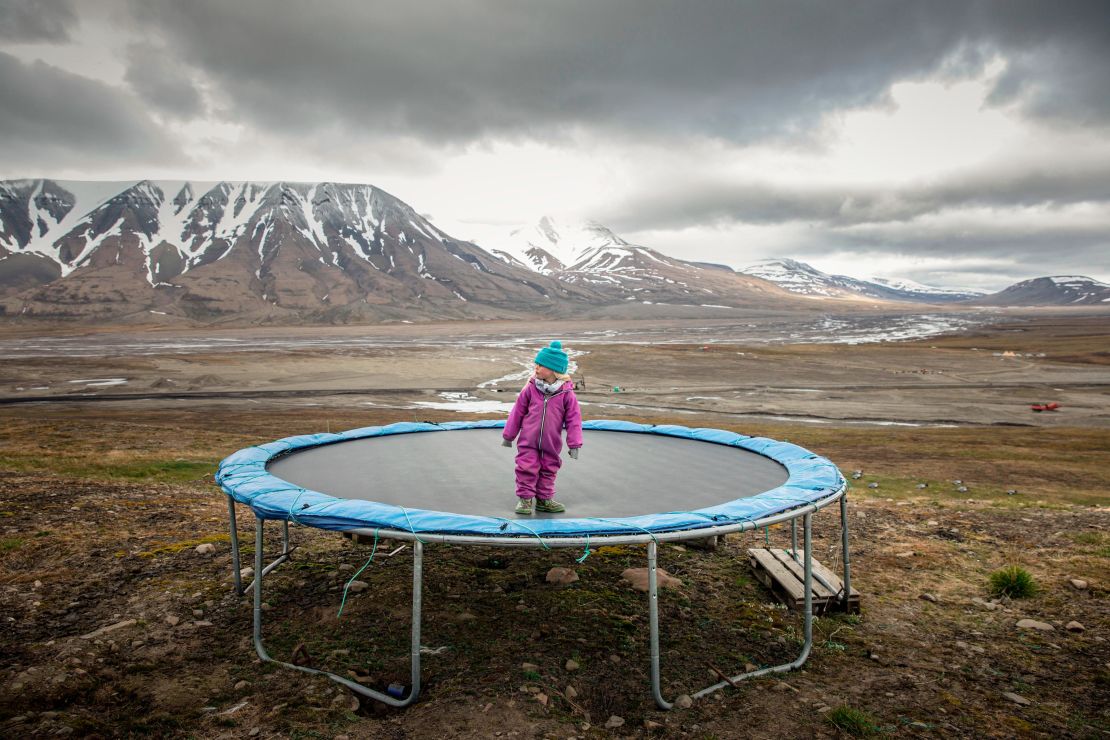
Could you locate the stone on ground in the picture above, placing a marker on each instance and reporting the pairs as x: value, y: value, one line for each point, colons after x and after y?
x: 638, y: 577
x: 561, y: 576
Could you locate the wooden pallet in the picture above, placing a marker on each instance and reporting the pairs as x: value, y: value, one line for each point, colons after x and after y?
x: 784, y: 576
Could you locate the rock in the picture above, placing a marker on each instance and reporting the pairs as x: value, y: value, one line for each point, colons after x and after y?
x: 206, y: 549
x: 929, y: 597
x: 1078, y: 584
x: 922, y: 485
x: 570, y: 692
x: 358, y: 587
x: 783, y: 686
x: 246, y: 574
x: 908, y: 554
x: 346, y: 567
x: 1074, y: 626
x: 1033, y: 624
x: 872, y: 485
x: 649, y: 725
x: 708, y: 544
x: 530, y: 667
x: 110, y: 628
x: 638, y: 577
x: 172, y: 621
x: 466, y: 617
x: 684, y: 701
x: 613, y: 722
x: 542, y: 698
x: 614, y: 659
x: 932, y: 523
x: 202, y: 623
x: 561, y: 576
x: 1016, y: 698
x: 857, y: 474
x: 254, y: 732
x: 962, y: 489
x: 198, y: 613
x: 571, y: 665
x: 750, y: 667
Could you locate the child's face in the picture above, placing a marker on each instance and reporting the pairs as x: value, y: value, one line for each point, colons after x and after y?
x: 545, y: 374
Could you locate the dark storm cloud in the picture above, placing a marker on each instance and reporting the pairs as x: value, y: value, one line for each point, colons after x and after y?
x: 691, y: 203
x: 161, y: 81
x: 450, y: 71
x: 29, y: 21
x: 1020, y: 250
x: 52, y: 118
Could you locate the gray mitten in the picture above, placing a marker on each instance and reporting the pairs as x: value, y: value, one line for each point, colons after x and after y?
x: 574, y: 452
x: 506, y: 442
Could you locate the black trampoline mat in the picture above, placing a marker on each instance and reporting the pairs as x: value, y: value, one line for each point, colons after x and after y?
x: 467, y: 471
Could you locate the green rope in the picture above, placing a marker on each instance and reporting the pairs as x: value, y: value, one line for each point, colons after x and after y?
x: 294, y: 504
x: 586, y: 554
x: 358, y: 572
x: 627, y: 524
x: 411, y: 528
x: 522, y: 524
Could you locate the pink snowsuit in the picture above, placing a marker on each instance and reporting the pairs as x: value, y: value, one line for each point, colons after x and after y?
x: 539, y: 420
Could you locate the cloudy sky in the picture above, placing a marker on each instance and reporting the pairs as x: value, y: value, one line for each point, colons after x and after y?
x: 956, y: 143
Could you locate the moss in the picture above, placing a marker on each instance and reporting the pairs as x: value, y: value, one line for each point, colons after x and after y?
x: 176, y: 547
x: 853, y: 722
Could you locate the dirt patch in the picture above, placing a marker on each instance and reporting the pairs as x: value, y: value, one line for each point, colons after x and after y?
x: 90, y: 540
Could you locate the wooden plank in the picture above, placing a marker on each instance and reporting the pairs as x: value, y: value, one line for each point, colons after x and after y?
x: 784, y: 579
x: 818, y: 570
x: 798, y: 571
x: 780, y: 573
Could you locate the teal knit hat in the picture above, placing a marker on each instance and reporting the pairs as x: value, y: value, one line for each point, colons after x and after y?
x: 553, y: 357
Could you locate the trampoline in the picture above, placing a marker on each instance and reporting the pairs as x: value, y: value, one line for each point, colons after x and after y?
x: 452, y: 483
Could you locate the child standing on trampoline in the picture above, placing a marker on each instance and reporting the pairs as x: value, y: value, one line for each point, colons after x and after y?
x: 546, y: 405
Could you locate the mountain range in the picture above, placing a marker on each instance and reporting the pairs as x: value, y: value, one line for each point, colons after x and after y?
x: 334, y: 252
x: 327, y: 252
x: 798, y: 277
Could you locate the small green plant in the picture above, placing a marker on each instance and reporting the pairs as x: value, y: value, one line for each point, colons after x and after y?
x: 532, y: 675
x: 10, y: 543
x: 1013, y: 581
x: 854, y: 722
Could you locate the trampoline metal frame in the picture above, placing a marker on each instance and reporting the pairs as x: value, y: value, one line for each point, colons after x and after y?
x: 651, y: 540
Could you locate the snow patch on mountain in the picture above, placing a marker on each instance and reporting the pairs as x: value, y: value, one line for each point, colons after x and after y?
x: 803, y: 279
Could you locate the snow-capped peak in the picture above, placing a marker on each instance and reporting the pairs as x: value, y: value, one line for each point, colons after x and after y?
x: 803, y: 279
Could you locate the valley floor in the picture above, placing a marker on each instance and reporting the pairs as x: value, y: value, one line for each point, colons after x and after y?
x: 104, y: 503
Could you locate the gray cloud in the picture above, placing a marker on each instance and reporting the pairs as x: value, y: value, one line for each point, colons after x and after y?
x: 52, y: 118
x: 451, y: 71
x: 27, y: 21
x: 161, y: 81
x: 713, y: 200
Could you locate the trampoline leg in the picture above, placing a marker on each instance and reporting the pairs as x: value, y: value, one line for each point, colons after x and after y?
x: 236, y: 579
x: 794, y: 538
x: 286, y: 553
x: 653, y: 621
x: 844, y: 546
x: 808, y: 624
x: 417, y: 603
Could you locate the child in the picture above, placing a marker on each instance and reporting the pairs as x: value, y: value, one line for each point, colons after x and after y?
x: 544, y: 407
